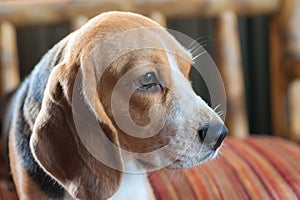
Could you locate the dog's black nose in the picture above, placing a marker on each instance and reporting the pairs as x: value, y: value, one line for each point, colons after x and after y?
x: 212, y: 135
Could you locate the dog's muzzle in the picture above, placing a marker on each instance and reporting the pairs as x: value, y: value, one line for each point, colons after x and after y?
x: 212, y: 135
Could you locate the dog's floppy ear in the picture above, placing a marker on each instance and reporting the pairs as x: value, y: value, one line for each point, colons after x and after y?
x: 56, y: 144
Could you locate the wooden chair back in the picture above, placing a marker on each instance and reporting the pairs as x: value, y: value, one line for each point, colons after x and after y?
x: 285, y: 43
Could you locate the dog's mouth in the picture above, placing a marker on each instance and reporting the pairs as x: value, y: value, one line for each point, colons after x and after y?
x: 146, y: 164
x: 180, y: 163
x: 191, y: 162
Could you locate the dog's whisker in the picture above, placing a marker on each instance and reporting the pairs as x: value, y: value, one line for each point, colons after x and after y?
x: 196, y: 41
x: 202, y: 53
x: 175, y: 175
x: 225, y: 144
x: 196, y: 44
x: 194, y: 49
x: 197, y: 47
x: 220, y: 113
x: 218, y: 106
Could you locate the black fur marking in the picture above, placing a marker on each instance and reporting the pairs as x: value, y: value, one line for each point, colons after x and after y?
x: 32, y: 90
x: 22, y: 135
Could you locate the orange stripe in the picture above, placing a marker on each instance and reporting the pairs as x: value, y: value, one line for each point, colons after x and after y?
x: 287, y: 173
x: 202, y: 174
x: 162, y: 189
x: 244, y: 174
x: 256, y: 172
x: 213, y: 183
x: 156, y: 184
x: 183, y: 191
x: 199, y: 188
x: 264, y: 169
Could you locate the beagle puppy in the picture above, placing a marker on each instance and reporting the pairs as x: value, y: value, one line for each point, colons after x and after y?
x: 110, y: 99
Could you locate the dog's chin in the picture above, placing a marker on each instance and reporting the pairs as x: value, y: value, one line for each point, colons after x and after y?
x: 147, y: 165
x: 182, y: 163
x: 187, y: 163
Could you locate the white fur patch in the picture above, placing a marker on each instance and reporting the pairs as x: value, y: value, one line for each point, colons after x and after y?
x: 134, y: 186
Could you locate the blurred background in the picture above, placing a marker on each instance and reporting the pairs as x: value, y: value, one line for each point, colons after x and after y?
x: 255, y: 36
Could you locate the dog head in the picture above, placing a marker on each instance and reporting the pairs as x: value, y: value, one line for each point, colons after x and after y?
x: 127, y: 75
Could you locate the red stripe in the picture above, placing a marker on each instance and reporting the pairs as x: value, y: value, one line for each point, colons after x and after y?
x: 239, y: 182
x: 242, y: 171
x: 177, y: 188
x: 211, y: 176
x: 158, y: 186
x: 244, y: 157
x: 199, y: 183
x: 278, y: 166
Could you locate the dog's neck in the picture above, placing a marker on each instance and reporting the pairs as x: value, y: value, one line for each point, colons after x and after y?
x: 134, y: 186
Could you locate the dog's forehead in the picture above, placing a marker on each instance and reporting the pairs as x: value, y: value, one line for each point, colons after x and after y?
x: 129, y: 30
x: 109, y: 36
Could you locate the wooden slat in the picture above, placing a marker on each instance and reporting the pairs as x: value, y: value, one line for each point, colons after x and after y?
x: 229, y: 63
x: 24, y: 12
x: 289, y: 21
x: 289, y: 24
x: 159, y: 18
x: 279, y: 81
x: 285, y: 63
x: 294, y: 110
x: 9, y: 69
x: 78, y: 21
x: 209, y: 8
x: 292, y: 66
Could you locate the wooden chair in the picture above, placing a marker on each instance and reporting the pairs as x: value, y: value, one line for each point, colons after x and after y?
x: 226, y: 12
x: 9, y: 69
x: 285, y: 51
x: 285, y: 57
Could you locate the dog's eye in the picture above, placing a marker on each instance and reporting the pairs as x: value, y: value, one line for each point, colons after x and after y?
x: 148, y: 82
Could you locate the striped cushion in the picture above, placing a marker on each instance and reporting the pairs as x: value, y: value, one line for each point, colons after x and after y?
x: 253, y: 168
